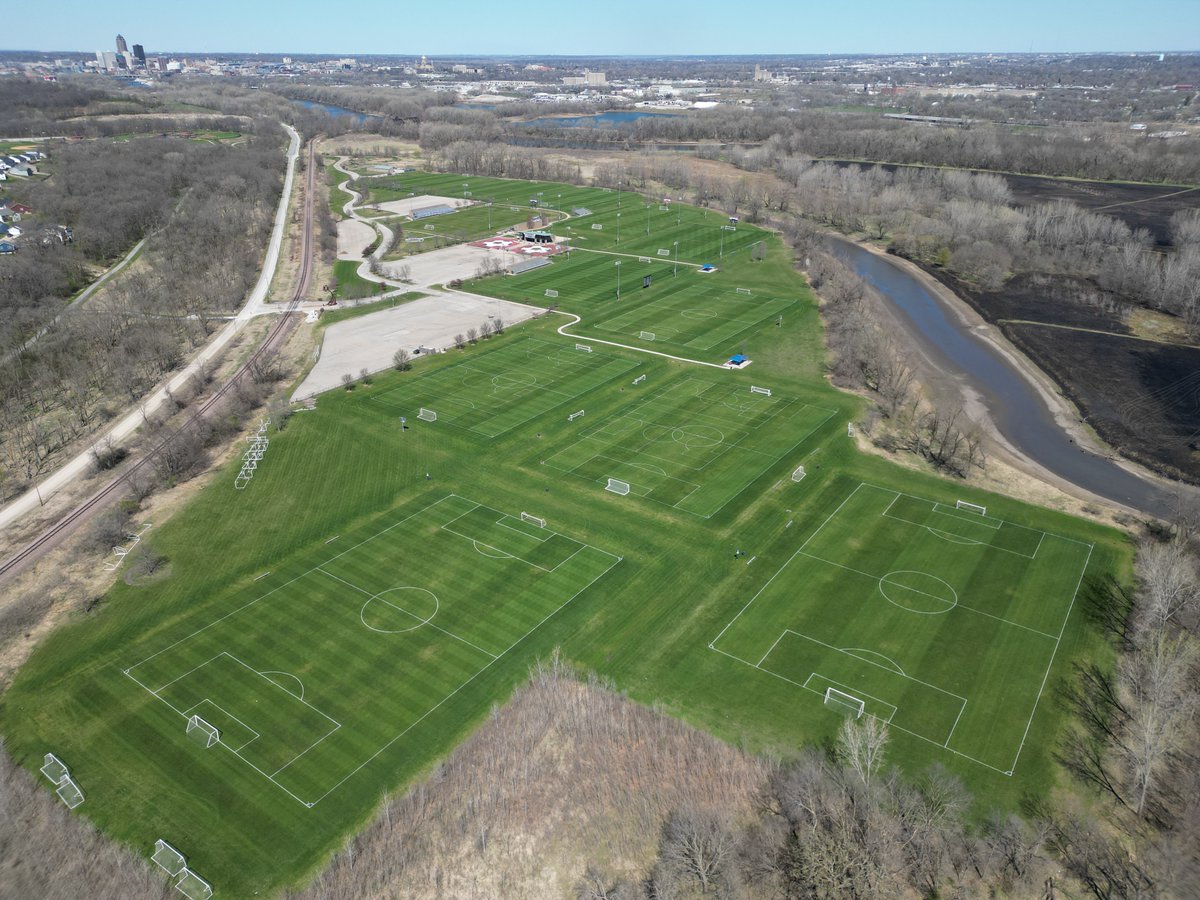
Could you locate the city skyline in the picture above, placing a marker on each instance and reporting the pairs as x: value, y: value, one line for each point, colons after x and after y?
x: 618, y: 28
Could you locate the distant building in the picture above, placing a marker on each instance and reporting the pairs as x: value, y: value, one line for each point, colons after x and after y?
x: 761, y: 74
x: 106, y: 60
x: 587, y: 79
x: 139, y: 55
x: 122, y: 47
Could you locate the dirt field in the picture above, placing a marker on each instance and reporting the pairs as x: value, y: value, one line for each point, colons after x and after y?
x: 352, y: 238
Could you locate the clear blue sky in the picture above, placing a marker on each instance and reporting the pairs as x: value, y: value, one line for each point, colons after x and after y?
x: 617, y: 27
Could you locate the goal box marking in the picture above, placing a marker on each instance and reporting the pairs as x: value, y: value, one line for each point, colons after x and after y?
x: 526, y: 517
x: 754, y: 389
x: 427, y: 415
x: 617, y: 487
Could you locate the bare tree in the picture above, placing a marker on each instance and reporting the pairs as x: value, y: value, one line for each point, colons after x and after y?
x: 861, y: 744
x: 348, y: 381
x: 460, y: 340
x: 1170, y: 582
x: 401, y: 360
x: 365, y: 375
x: 697, y: 847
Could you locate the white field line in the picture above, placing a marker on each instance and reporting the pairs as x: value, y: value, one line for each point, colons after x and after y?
x: 781, y: 568
x: 579, y: 337
x: 1050, y: 664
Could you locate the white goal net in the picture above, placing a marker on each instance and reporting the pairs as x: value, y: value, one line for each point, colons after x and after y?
x: 617, y: 487
x: 755, y: 389
x: 168, y: 858
x: 193, y: 886
x: 202, y: 732
x: 845, y: 702
x: 427, y: 415
x: 646, y: 335
x: 550, y: 292
x: 575, y: 415
x: 971, y: 507
x: 526, y: 517
x: 798, y: 474
x: 586, y: 348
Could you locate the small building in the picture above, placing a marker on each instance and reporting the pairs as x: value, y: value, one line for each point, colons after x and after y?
x: 426, y: 212
x: 7, y: 248
x: 537, y: 237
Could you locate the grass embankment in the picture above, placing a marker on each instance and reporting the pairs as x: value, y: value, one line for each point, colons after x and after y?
x: 346, y: 471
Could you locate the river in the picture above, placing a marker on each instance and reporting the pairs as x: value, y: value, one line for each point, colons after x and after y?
x: 1019, y: 411
x: 336, y: 111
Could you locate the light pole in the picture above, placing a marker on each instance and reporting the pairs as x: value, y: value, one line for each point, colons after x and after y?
x: 676, y: 273
x: 618, y: 228
x: 722, y: 242
x: 618, y: 265
x: 647, y: 218
x: 489, y: 207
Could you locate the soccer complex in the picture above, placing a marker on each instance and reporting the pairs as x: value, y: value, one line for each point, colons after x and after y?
x: 318, y: 636
x: 936, y: 618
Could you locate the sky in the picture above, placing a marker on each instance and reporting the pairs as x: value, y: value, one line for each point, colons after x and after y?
x: 612, y: 27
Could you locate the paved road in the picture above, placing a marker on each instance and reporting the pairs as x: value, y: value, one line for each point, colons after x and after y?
x: 255, y: 305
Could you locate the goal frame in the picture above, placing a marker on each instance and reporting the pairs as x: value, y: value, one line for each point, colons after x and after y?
x: 798, y: 473
x: 847, y: 702
x: 617, y: 486
x: 168, y: 858
x: 970, y: 507
x: 198, y: 723
x: 755, y: 389
x: 427, y: 415
x: 534, y: 520
x: 586, y: 348
x: 647, y: 336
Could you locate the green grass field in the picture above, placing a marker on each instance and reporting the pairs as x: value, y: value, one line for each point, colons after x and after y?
x: 355, y: 611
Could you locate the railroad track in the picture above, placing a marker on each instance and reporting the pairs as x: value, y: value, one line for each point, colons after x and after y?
x: 53, y: 535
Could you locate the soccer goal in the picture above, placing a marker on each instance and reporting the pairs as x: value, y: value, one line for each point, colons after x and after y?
x: 617, y: 487
x: 168, y: 858
x: 743, y: 290
x: 526, y: 517
x: 550, y: 292
x: 971, y: 507
x: 845, y: 702
x: 754, y: 389
x: 55, y: 769
x: 575, y: 415
x: 69, y: 793
x: 202, y: 732
x: 586, y: 348
x: 798, y: 474
x: 639, y: 379
x: 646, y: 335
x: 644, y: 259
x: 664, y: 252
x: 193, y: 886
x: 427, y: 415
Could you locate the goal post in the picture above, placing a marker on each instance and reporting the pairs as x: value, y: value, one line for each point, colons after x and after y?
x: 743, y: 290
x: 586, y: 348
x: 639, y: 379
x: 971, y: 507
x: 427, y: 415
x: 202, y: 732
x: 646, y: 335
x: 845, y: 702
x: 798, y: 473
x: 69, y: 793
x: 539, y: 522
x: 617, y: 487
x: 168, y: 858
x: 755, y: 389
x: 55, y: 769
x: 550, y: 292
x: 575, y: 415
x: 193, y: 886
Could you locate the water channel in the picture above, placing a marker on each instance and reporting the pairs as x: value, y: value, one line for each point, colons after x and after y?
x: 1018, y: 410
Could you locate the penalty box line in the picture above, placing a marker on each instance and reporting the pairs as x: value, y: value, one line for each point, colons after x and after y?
x: 919, y: 737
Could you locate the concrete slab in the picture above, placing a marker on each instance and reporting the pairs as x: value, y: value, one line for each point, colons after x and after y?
x: 370, y: 341
x: 442, y: 266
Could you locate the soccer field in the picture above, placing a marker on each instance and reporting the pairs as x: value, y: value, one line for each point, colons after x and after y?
x: 693, y: 445
x: 941, y: 621
x: 499, y: 390
x: 314, y: 678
